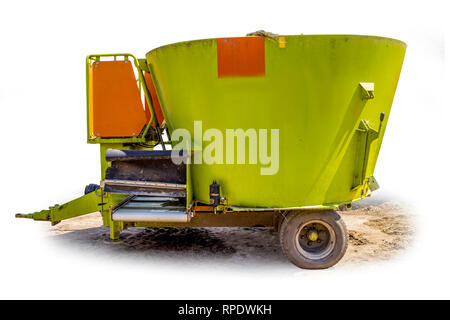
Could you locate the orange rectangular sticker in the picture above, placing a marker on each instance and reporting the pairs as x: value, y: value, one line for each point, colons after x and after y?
x: 241, y: 57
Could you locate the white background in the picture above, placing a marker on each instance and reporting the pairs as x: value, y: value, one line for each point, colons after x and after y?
x: 45, y: 159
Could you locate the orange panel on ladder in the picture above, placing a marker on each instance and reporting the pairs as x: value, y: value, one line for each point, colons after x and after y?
x: 156, y: 105
x: 116, y: 108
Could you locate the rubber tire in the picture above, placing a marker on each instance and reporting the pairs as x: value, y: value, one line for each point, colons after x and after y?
x: 91, y: 188
x: 288, y: 230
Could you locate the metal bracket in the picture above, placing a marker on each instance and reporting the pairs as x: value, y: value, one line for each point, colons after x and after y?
x: 367, y: 90
x: 367, y: 136
x: 372, y: 183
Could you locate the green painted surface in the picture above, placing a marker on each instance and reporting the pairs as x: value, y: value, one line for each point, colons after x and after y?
x: 85, y: 204
x: 310, y: 92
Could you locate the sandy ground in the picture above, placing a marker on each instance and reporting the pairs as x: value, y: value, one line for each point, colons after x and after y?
x: 378, y: 230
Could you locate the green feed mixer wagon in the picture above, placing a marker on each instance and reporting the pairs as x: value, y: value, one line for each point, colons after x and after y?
x: 262, y: 130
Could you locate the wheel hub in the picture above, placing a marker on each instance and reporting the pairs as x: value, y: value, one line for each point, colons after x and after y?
x: 313, y: 235
x: 315, y: 239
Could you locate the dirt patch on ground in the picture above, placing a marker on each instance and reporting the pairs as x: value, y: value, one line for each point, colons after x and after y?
x: 377, y: 231
x: 196, y: 240
x: 391, y: 225
x: 357, y: 239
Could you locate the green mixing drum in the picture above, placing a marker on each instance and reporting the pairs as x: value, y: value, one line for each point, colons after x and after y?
x: 325, y: 95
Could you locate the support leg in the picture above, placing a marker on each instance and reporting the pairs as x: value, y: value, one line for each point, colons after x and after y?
x: 114, y: 230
